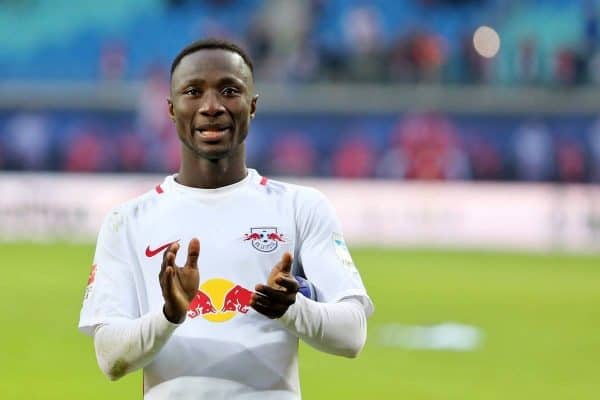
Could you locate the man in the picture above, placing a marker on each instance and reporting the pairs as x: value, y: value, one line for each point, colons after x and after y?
x: 222, y: 322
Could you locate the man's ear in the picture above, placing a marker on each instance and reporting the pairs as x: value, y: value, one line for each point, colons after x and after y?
x: 253, y: 106
x: 171, y: 111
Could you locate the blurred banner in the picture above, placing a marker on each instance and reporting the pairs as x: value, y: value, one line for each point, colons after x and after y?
x: 50, y: 207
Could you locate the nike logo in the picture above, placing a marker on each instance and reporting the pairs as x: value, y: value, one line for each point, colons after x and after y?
x: 152, y: 253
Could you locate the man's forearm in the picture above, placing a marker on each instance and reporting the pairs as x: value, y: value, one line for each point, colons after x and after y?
x: 126, y: 345
x: 337, y: 328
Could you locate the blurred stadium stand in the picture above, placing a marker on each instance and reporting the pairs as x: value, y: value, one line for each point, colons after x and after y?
x: 403, y: 40
x: 349, y: 88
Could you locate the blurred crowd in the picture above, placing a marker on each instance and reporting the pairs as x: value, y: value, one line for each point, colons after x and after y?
x: 407, y: 147
x: 542, y: 42
x: 435, y: 47
x: 554, y: 42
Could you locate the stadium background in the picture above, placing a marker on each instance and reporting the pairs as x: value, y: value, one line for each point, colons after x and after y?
x: 467, y: 186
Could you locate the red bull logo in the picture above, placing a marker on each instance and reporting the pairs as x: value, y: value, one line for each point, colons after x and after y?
x: 219, y: 300
x: 252, y: 236
x: 275, y: 236
x: 237, y: 299
x: 264, y: 239
x: 200, y: 305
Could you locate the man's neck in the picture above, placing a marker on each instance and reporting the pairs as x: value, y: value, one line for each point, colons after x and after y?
x: 211, y: 174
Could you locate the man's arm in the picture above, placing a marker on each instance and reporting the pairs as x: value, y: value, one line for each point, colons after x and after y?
x: 338, y: 328
x: 125, y: 345
x: 337, y: 324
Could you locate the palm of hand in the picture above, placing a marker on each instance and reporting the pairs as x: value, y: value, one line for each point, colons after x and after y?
x: 185, y: 285
x: 179, y: 284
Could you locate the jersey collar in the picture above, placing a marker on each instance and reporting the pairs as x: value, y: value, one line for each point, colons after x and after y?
x: 171, y: 185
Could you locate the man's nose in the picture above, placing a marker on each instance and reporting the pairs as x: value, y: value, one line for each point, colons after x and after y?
x: 211, y: 106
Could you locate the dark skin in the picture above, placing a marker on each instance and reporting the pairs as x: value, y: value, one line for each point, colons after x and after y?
x: 179, y: 284
x: 212, y: 103
x: 274, y: 298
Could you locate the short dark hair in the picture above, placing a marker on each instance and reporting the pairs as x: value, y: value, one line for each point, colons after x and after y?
x: 212, y: 44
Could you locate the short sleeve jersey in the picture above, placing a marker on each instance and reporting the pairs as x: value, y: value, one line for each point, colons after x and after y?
x: 244, y: 229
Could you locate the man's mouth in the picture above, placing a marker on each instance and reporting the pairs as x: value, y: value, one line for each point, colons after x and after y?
x: 213, y: 133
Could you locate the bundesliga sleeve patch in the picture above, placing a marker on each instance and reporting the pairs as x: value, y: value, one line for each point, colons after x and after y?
x: 342, y: 251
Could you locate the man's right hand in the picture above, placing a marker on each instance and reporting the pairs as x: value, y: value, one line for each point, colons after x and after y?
x: 179, y: 284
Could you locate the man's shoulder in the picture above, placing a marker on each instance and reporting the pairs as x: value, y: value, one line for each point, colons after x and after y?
x: 136, y: 206
x: 293, y: 190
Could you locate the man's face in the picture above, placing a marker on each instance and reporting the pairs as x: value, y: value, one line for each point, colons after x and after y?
x: 211, y: 102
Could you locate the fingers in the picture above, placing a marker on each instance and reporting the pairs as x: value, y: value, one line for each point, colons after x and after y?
x: 274, y: 298
x: 168, y: 280
x: 267, y: 311
x: 270, y: 307
x: 193, y: 253
x: 169, y: 257
x: 288, y: 283
x: 283, y: 267
x: 275, y: 295
x: 171, y: 253
x: 286, y: 263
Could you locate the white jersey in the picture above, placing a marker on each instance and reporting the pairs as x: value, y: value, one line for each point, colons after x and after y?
x: 224, y: 348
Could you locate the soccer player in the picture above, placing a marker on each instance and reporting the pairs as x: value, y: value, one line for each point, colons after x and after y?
x: 195, y: 282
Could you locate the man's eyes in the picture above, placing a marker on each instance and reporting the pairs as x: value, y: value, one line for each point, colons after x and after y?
x: 191, y: 92
x: 230, y: 91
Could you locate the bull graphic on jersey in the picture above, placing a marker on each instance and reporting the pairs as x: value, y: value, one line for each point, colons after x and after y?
x: 201, y: 304
x: 219, y: 300
x: 264, y: 239
x: 237, y: 299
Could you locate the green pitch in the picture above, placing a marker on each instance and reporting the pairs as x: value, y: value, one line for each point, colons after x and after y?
x: 540, y: 316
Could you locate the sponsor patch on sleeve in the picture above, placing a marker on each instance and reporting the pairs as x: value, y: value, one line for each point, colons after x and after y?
x: 342, y: 251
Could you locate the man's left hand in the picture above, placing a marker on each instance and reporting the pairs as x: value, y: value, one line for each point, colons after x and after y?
x: 274, y: 298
